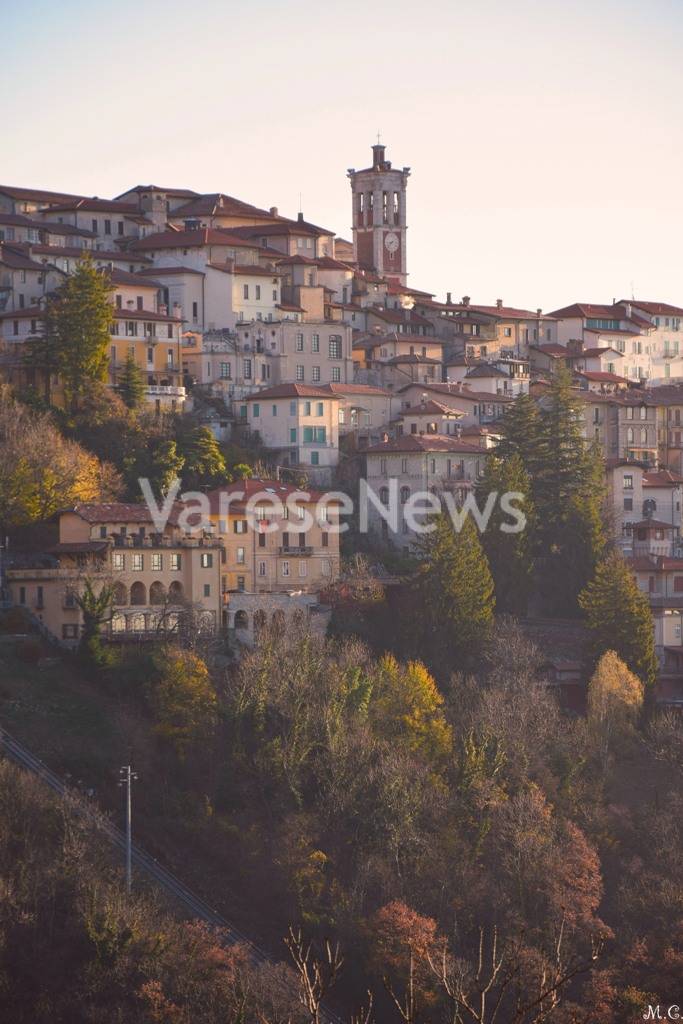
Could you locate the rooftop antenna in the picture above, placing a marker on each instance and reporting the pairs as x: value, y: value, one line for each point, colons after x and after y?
x: 632, y: 292
x: 300, y: 206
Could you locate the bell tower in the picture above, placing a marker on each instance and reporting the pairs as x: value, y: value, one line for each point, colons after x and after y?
x: 379, y: 216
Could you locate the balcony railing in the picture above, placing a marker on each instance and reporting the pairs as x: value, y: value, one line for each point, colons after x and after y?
x: 301, y: 551
x: 169, y: 390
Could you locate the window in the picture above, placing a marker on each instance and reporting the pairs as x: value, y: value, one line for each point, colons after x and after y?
x: 299, y: 372
x: 319, y: 409
x: 292, y: 435
x: 315, y: 435
x: 628, y: 482
x: 206, y: 560
x: 240, y: 526
x: 302, y: 568
x: 262, y: 568
x: 247, y: 369
x: 292, y: 408
x: 138, y: 562
x: 261, y: 540
x: 336, y: 375
x: 316, y: 374
x: 241, y: 585
x: 383, y: 467
x: 256, y: 408
x: 245, y: 291
x: 175, y: 562
x: 118, y: 561
x: 405, y: 494
x: 240, y: 556
x: 157, y: 561
x: 307, y: 408
x: 507, y: 332
x: 207, y: 590
x: 628, y: 504
x: 225, y: 371
x: 70, y: 630
x: 335, y: 346
x: 299, y: 343
x: 285, y: 568
x: 315, y: 458
x: 384, y: 495
x: 315, y: 343
x: 257, y: 289
x: 195, y: 310
x: 678, y: 584
x: 404, y: 465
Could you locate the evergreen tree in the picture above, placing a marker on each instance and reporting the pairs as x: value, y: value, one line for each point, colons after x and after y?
x: 510, y: 555
x: 131, y: 386
x: 204, y: 461
x: 96, y: 608
x: 522, y: 433
x: 619, y: 618
x: 569, y: 498
x: 78, y: 323
x: 455, y: 601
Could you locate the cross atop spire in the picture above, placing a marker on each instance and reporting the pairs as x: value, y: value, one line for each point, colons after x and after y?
x: 379, y: 137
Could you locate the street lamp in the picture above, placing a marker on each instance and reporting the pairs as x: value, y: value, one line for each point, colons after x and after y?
x: 127, y: 777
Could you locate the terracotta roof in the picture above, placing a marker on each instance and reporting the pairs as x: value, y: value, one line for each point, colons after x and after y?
x: 431, y: 408
x: 595, y: 353
x: 216, y: 204
x: 164, y: 271
x: 556, y: 351
x: 18, y: 259
x: 243, y: 269
x: 398, y: 316
x: 356, y: 389
x: 182, y: 193
x: 485, y: 371
x: 650, y: 524
x: 124, y: 277
x: 412, y: 358
x: 98, y: 255
x: 459, y: 390
x: 602, y: 376
x: 97, y: 205
x: 116, y: 512
x: 655, y: 308
x: 36, y: 195
x: 662, y: 478
x: 290, y: 308
x: 282, y: 226
x: 31, y: 313
x: 144, y: 314
x: 611, y: 330
x: 292, y: 391
x: 425, y: 443
x: 48, y: 226
x: 590, y: 310
x: 394, y: 288
x: 193, y: 238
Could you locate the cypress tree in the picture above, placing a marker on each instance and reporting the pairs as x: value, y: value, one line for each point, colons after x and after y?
x: 455, y: 598
x: 78, y: 324
x: 619, y: 618
x: 204, y: 460
x: 569, y: 498
x: 131, y: 385
x: 510, y: 555
x: 522, y: 433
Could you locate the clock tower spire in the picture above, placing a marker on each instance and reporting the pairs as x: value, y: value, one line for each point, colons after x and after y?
x: 379, y: 216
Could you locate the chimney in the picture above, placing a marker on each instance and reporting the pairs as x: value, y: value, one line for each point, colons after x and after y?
x: 628, y: 310
x: 499, y: 303
x: 300, y: 217
x: 448, y: 299
x: 539, y: 311
x: 465, y: 300
x: 273, y: 211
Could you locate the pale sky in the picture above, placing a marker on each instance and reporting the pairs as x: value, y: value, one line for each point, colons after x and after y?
x: 544, y: 136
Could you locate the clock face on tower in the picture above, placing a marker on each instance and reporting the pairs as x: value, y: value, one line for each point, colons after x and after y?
x: 391, y: 242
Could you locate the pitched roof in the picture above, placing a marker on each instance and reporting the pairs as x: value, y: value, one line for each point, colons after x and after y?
x: 164, y: 271
x: 601, y: 376
x: 485, y: 371
x: 655, y: 308
x: 192, y: 238
x: 431, y: 408
x: 97, y: 205
x: 216, y: 204
x: 182, y: 193
x: 662, y: 478
x: 18, y: 259
x: 124, y: 277
x: 595, y: 353
x: 292, y: 391
x: 255, y: 488
x: 424, y: 443
x: 398, y: 316
x: 144, y: 314
x: 243, y: 269
x: 116, y: 512
x: 98, y: 255
x: 589, y: 309
x: 356, y: 389
x: 555, y: 351
x: 459, y: 390
x: 36, y: 195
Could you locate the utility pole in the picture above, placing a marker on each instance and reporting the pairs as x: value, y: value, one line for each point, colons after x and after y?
x: 127, y: 777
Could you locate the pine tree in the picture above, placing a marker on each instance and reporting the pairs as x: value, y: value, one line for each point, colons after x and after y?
x: 204, y: 461
x: 510, y: 555
x: 454, y: 601
x: 619, y: 618
x: 78, y: 323
x: 131, y: 386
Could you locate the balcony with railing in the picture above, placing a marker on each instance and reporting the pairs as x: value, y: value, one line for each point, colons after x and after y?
x: 295, y: 550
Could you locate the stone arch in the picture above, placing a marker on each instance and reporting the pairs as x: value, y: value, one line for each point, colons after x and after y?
x: 157, y: 593
x: 175, y: 590
x: 138, y: 594
x: 241, y: 619
x: 120, y: 594
x: 118, y: 623
x: 260, y: 620
x: 137, y: 623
